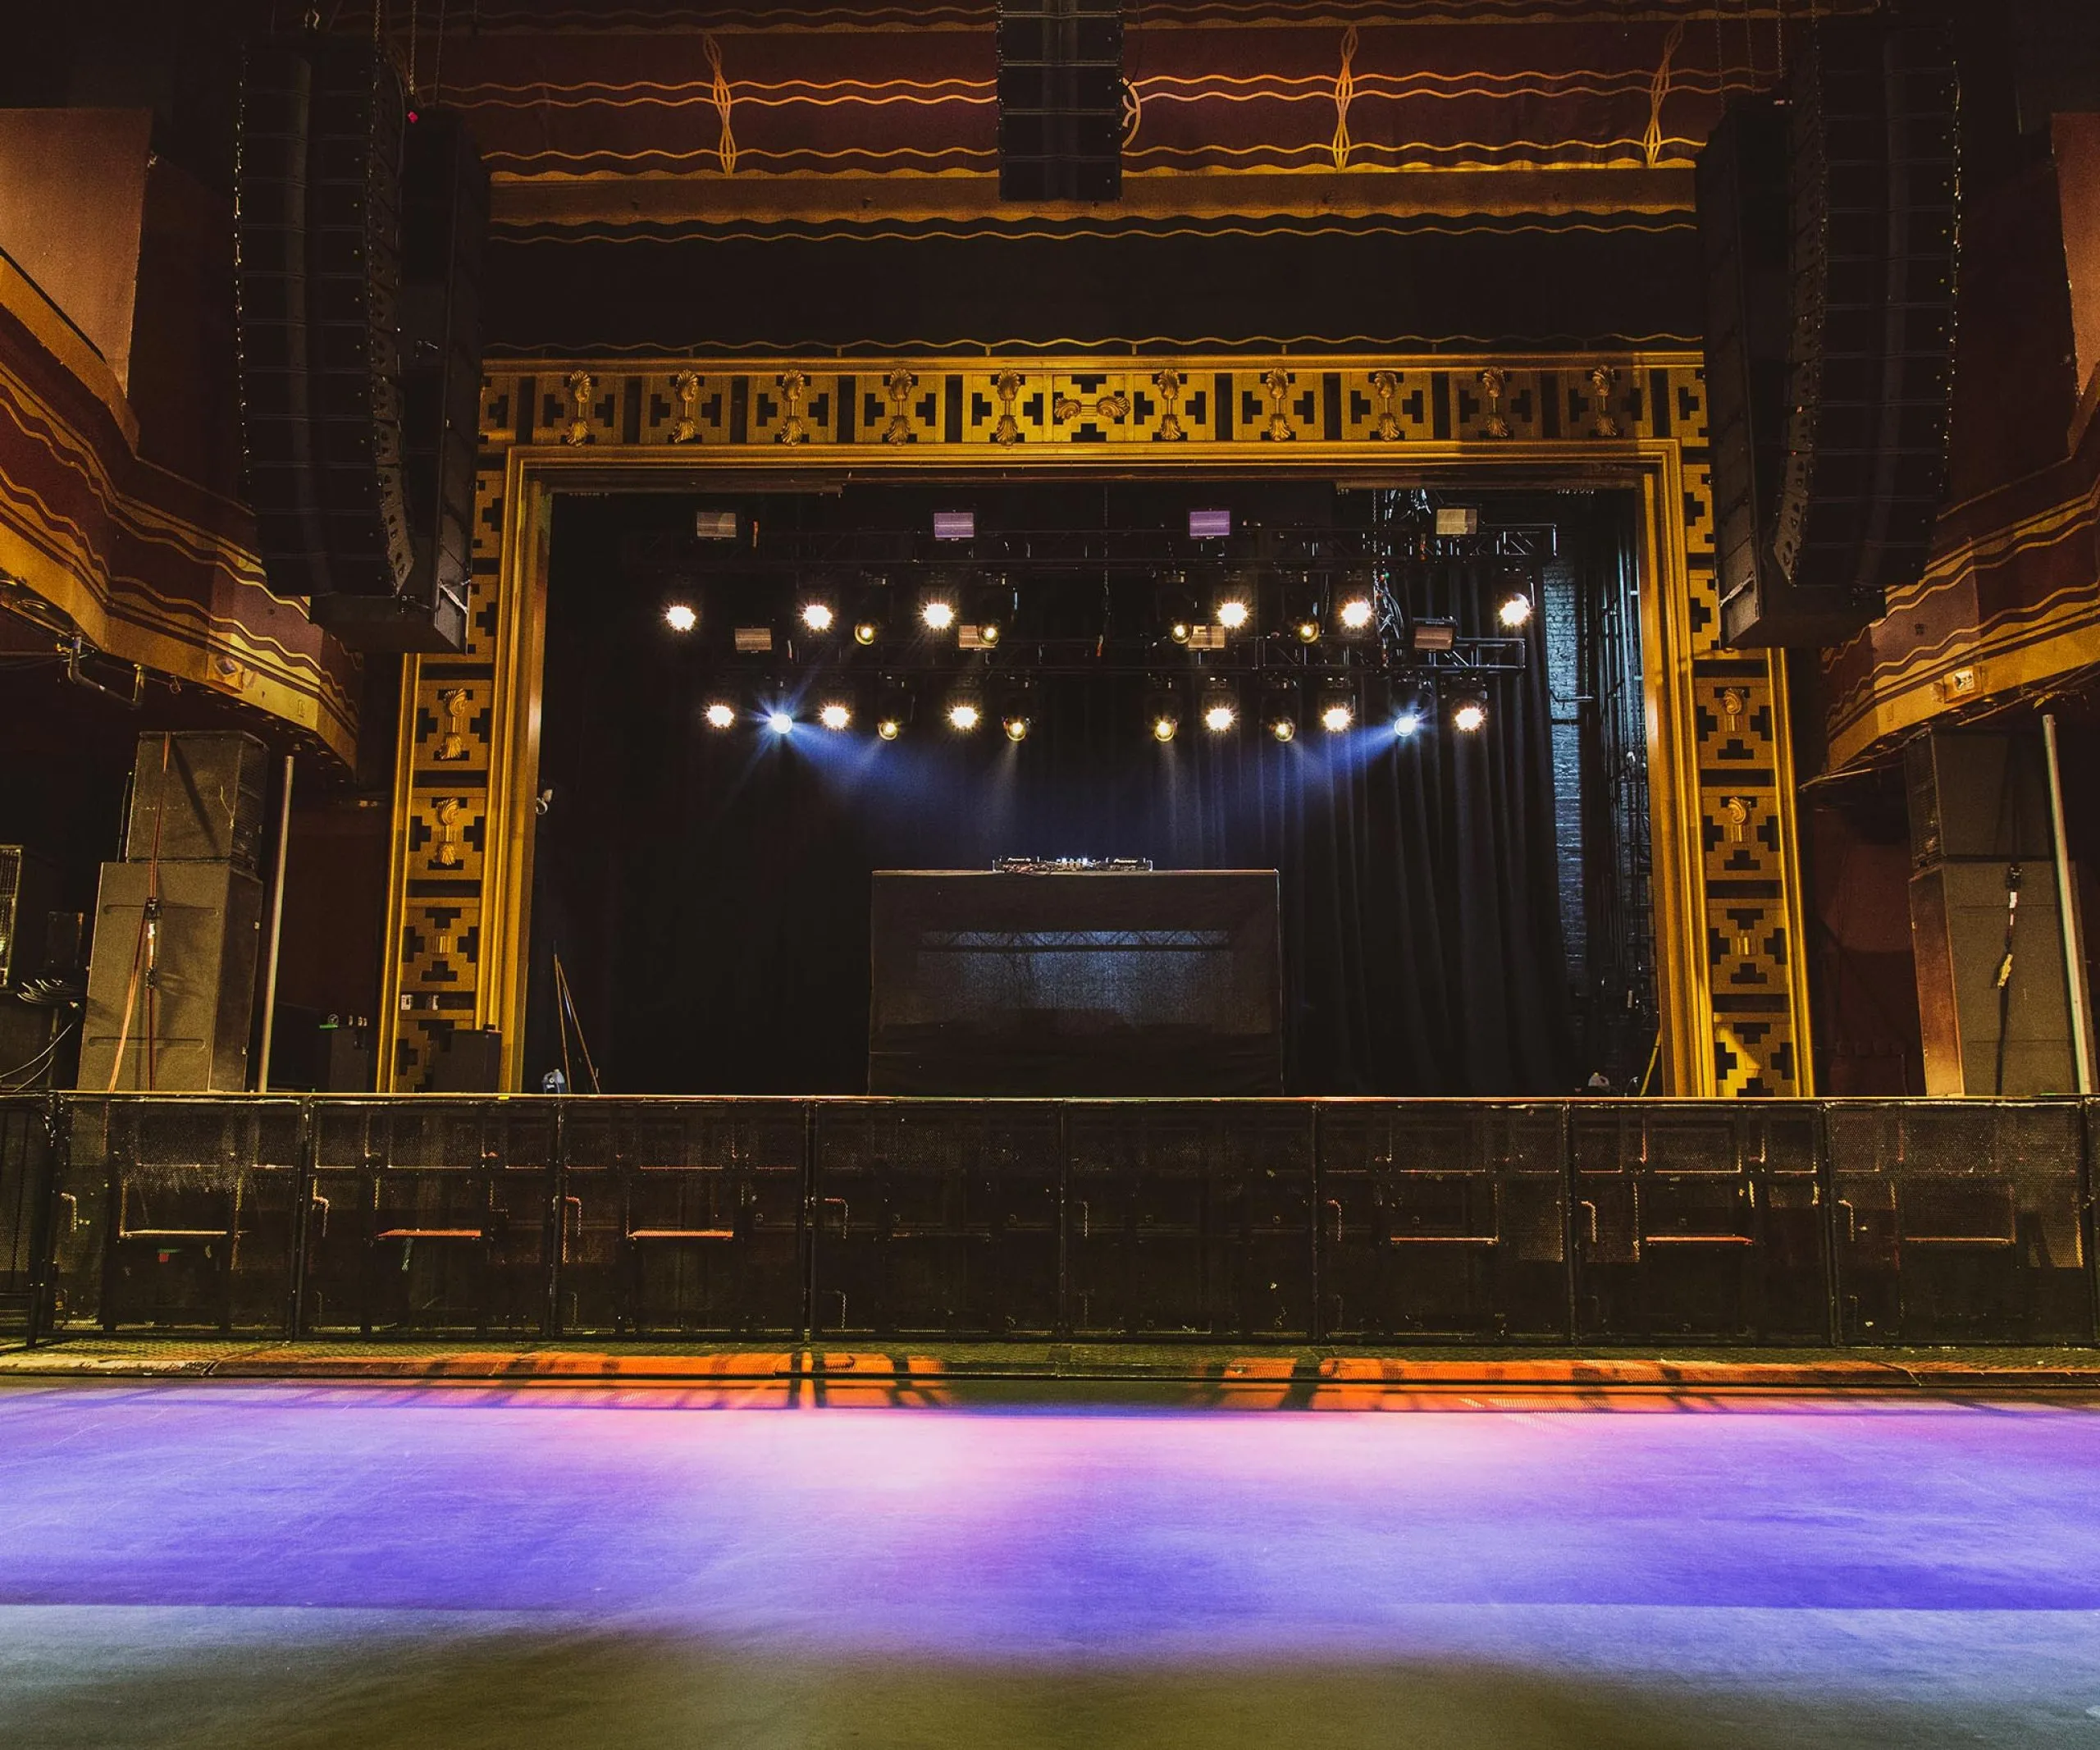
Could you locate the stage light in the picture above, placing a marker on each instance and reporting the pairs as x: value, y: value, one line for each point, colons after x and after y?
x: 1017, y: 708
x: 1415, y: 706
x: 1515, y: 611
x: 1017, y: 728
x: 720, y: 715
x: 895, y: 708
x: 965, y: 715
x: 987, y: 611
x: 1279, y: 708
x: 1337, y: 706
x: 1469, y: 712
x: 836, y: 716
x: 1232, y: 614
x: 1221, y: 705
x: 1162, y: 711
x: 937, y: 613
x: 1357, y: 611
x: 1308, y: 631
x: 680, y: 617
x: 779, y: 721
x: 865, y: 632
x: 818, y: 615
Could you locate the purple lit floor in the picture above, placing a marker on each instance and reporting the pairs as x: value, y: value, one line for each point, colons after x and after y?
x: 281, y: 1565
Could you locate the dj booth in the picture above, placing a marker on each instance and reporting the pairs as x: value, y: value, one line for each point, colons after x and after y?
x: 1086, y: 982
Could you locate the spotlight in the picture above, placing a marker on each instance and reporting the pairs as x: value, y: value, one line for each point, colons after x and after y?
x: 836, y: 716
x: 894, y: 708
x: 1232, y: 614
x: 779, y: 720
x: 871, y: 608
x: 817, y: 615
x: 865, y: 631
x: 1469, y: 712
x: 1177, y: 607
x: 964, y: 714
x: 680, y: 617
x: 1279, y: 708
x: 1415, y: 707
x: 720, y: 715
x: 991, y: 611
x: 1357, y: 611
x: 1220, y: 706
x: 1017, y: 711
x: 1515, y: 611
x: 938, y: 612
x: 1162, y: 711
x: 1308, y: 630
x: 1337, y: 707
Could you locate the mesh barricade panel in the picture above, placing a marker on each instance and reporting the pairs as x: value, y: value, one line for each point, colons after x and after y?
x: 431, y: 1214
x: 1960, y: 1222
x: 1698, y: 1220
x: 1444, y: 1219
x: 25, y: 1188
x: 682, y: 1215
x: 1187, y: 1218
x: 937, y: 1219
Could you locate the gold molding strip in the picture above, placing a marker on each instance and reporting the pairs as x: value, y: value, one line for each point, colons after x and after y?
x: 1727, y: 886
x: 614, y: 198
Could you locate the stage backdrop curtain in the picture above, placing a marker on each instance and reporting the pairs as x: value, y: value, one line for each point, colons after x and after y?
x: 708, y: 893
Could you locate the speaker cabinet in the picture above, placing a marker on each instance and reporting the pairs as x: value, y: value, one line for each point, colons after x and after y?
x: 1979, y: 820
x: 1844, y: 503
x: 1061, y: 99
x: 189, y: 1033
x: 196, y: 796
x: 28, y: 886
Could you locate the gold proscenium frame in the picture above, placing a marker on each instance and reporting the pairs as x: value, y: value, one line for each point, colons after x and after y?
x: 1725, y: 882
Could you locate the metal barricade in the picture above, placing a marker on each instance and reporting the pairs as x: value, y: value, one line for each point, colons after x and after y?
x: 1445, y: 1218
x: 430, y: 1213
x: 25, y: 1196
x: 1960, y: 1222
x: 681, y: 1215
x: 936, y: 1217
x: 174, y: 1214
x: 1189, y: 1218
x: 1699, y: 1219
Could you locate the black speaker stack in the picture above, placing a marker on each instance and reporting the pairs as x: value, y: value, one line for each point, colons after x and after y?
x: 359, y: 226
x: 1061, y: 99
x: 1829, y: 218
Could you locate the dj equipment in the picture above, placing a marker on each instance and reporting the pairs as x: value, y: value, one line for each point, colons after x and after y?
x: 1061, y: 99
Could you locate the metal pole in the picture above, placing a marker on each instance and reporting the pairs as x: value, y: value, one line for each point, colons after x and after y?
x: 2081, y: 1015
x: 276, y: 929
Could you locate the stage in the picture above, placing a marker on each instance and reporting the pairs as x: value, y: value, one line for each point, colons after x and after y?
x: 299, y: 1564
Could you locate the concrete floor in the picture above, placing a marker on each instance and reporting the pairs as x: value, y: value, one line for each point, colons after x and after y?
x: 300, y: 1565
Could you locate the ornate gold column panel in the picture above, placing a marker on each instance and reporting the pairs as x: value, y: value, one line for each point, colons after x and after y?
x: 1726, y: 890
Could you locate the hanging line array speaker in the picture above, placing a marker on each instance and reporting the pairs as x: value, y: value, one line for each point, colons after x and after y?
x: 353, y: 447
x: 1061, y: 99
x: 1830, y: 225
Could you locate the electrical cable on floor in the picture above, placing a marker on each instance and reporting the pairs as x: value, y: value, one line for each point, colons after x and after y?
x: 29, y: 1072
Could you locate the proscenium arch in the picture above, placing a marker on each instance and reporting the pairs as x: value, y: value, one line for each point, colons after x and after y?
x: 1731, y: 982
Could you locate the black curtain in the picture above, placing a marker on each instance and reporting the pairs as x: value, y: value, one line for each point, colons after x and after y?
x: 708, y: 892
